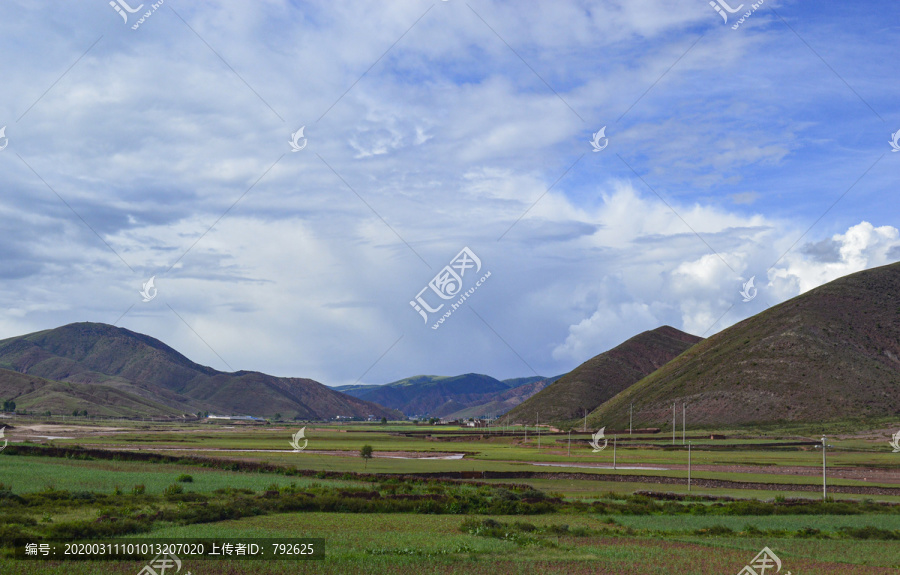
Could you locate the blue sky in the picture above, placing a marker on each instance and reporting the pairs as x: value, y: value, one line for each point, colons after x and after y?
x: 163, y: 152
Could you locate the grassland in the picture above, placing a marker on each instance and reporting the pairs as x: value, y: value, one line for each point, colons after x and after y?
x: 392, y: 515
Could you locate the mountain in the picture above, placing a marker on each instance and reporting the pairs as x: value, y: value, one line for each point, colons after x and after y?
x: 37, y: 394
x: 501, y: 403
x: 831, y: 353
x: 600, y: 378
x: 115, y: 358
x: 440, y: 396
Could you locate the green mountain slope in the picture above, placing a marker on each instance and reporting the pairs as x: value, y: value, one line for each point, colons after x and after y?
x: 600, y: 378
x: 439, y: 396
x: 832, y: 353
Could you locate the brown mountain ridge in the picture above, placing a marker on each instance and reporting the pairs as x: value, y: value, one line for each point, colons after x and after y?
x: 603, y: 376
x: 832, y: 353
x: 139, y: 365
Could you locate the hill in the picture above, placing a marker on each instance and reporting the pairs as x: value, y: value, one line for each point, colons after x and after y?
x: 600, y: 378
x: 39, y: 395
x: 832, y: 353
x: 115, y: 358
x: 441, y: 396
x: 501, y: 403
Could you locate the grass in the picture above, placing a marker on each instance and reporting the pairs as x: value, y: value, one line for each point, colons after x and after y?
x: 33, y: 474
x: 607, y: 529
x: 387, y: 543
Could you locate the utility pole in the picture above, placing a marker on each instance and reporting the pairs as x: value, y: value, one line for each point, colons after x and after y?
x: 682, y: 423
x: 539, y: 429
x: 673, y: 424
x: 583, y: 429
x: 569, y: 451
x: 824, y: 482
x: 630, y: 416
x: 614, y: 451
x: 689, y: 466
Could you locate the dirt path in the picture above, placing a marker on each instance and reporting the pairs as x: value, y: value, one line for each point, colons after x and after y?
x: 873, y: 474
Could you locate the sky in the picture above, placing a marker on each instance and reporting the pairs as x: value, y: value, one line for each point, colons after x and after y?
x: 357, y: 192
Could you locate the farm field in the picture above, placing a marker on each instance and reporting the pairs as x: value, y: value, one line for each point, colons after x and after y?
x: 494, y: 510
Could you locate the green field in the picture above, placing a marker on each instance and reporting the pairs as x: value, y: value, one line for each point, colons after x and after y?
x: 388, y: 515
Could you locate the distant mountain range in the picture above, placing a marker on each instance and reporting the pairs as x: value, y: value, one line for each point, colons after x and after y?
x: 582, y: 390
x: 114, y: 371
x: 832, y: 353
x: 468, y: 395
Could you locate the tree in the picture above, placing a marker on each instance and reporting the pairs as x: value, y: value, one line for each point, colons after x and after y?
x: 9, y: 405
x: 366, y: 454
x: 384, y: 421
x: 76, y: 413
x: 84, y: 413
x: 277, y: 417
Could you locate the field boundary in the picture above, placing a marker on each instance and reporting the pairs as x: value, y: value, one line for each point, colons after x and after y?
x: 469, y: 476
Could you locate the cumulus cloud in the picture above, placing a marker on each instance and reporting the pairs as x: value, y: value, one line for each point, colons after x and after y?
x: 861, y: 247
x: 426, y: 133
x: 705, y: 292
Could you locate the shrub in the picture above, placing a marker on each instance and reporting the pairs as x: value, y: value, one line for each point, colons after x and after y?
x: 88, y: 529
x: 185, y: 478
x: 502, y: 494
x: 558, y: 529
x: 870, y: 532
x: 533, y: 494
x: 715, y: 530
x: 138, y: 489
x: 173, y: 489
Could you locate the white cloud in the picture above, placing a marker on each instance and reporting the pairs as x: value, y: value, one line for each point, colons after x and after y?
x: 450, y: 138
x: 861, y: 247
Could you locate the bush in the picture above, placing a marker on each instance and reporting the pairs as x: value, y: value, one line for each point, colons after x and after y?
x: 88, y: 529
x: 502, y: 494
x: 185, y: 478
x: 173, y: 489
x: 715, y: 530
x: 138, y: 489
x: 870, y: 532
x: 533, y: 494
